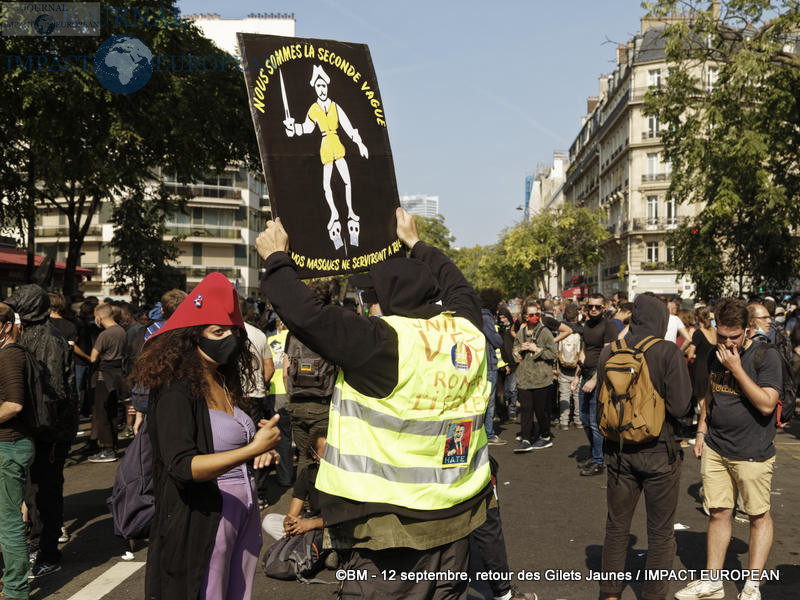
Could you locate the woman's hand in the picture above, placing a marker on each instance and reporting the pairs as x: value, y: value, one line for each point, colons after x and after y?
x: 264, y: 460
x: 267, y: 436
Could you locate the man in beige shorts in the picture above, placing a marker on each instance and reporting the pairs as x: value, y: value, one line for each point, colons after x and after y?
x: 735, y: 436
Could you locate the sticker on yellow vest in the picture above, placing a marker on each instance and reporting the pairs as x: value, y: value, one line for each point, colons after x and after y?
x: 461, y: 357
x: 456, y: 446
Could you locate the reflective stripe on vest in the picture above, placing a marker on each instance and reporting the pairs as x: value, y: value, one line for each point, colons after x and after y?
x: 423, y: 446
x: 277, y: 345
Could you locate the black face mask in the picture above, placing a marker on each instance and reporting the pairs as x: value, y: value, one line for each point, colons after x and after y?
x: 595, y: 319
x: 225, y: 351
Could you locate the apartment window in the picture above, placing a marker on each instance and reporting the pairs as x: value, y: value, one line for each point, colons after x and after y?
x: 653, y: 161
x: 652, y: 210
x: 672, y: 214
x: 197, y: 215
x: 197, y: 254
x: 671, y: 255
x: 240, y: 255
x: 104, y: 254
x: 652, y: 126
x: 654, y: 78
x: 712, y: 73
x: 181, y: 218
x: 652, y: 252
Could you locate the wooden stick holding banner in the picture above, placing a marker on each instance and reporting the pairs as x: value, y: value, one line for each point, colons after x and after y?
x: 333, y: 166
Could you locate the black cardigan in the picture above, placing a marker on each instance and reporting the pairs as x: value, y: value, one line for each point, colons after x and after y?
x: 187, y: 513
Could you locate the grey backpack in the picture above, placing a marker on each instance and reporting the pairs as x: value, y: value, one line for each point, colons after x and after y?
x: 295, y: 557
x: 309, y: 374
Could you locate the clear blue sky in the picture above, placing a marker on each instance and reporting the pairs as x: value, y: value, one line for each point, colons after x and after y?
x: 476, y: 93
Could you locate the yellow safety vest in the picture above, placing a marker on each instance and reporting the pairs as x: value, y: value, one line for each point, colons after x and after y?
x: 500, y: 362
x: 424, y: 445
x: 277, y: 344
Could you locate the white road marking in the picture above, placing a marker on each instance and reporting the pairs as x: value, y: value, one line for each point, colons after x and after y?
x: 104, y: 584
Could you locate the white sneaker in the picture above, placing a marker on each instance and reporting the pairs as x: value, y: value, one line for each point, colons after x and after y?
x: 750, y: 593
x: 701, y: 590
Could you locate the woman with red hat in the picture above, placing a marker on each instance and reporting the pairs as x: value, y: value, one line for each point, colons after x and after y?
x: 205, y: 538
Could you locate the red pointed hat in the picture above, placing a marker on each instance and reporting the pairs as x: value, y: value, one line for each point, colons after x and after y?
x: 212, y: 302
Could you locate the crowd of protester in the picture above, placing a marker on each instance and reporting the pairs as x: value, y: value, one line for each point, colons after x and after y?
x: 545, y: 361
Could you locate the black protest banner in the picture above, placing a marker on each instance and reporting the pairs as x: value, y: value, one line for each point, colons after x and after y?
x: 321, y: 130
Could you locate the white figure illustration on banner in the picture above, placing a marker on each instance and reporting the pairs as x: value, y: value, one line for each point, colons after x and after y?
x: 327, y: 115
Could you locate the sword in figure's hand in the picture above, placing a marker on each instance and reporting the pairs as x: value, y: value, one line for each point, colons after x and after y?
x: 288, y: 122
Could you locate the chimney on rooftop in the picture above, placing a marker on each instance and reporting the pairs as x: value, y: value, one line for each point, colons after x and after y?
x: 591, y: 104
x: 622, y: 54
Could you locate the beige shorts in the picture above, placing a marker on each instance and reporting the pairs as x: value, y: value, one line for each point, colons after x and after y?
x: 723, y: 478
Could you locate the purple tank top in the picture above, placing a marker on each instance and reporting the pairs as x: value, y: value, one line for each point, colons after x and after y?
x: 231, y: 432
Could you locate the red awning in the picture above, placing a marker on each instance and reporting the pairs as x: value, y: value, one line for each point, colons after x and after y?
x: 13, y: 257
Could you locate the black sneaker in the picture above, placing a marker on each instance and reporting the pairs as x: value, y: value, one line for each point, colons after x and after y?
x: 542, y: 442
x: 87, y: 449
x: 104, y: 456
x: 523, y: 446
x: 41, y: 568
x: 592, y: 468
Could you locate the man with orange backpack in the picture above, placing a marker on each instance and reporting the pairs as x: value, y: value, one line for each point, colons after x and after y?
x: 644, y: 388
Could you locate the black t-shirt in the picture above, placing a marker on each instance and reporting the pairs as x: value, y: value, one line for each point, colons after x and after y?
x: 595, y: 337
x: 305, y: 488
x: 736, y: 430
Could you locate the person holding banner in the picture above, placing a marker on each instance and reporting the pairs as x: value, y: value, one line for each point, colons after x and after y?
x: 394, y: 494
x: 327, y: 115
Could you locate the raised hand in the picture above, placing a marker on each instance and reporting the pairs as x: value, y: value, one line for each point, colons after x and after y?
x: 406, y: 227
x: 273, y: 239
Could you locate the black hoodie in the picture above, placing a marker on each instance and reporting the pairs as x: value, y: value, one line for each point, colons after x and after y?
x: 668, y: 370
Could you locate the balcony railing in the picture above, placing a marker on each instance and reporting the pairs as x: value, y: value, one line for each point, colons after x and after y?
x: 658, y: 266
x: 651, y: 135
x: 648, y: 177
x: 656, y: 223
x: 206, y: 191
x: 63, y: 231
x: 206, y: 231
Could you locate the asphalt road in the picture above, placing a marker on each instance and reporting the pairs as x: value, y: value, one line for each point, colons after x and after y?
x: 553, y: 522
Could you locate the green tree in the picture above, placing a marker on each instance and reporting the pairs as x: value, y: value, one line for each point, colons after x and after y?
x: 580, y: 238
x: 733, y: 147
x: 434, y: 232
x: 143, y: 254
x: 80, y: 143
x: 568, y: 238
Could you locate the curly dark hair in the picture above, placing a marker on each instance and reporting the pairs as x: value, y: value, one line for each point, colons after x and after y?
x: 173, y: 355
